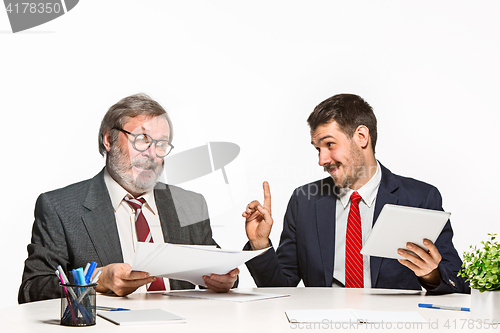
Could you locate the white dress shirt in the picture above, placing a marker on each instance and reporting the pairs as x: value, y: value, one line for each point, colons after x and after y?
x: 125, y: 220
x: 368, y: 193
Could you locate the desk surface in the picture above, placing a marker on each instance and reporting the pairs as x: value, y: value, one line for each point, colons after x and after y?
x: 267, y: 315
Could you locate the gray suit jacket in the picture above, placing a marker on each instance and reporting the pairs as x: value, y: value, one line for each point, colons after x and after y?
x: 76, y: 225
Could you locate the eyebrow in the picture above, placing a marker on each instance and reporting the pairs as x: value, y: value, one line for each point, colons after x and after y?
x: 142, y: 130
x: 164, y: 137
x: 328, y: 136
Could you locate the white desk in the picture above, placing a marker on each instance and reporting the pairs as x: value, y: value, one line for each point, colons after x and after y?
x: 257, y: 316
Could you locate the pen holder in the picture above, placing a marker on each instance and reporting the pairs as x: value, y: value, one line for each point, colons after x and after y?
x: 78, y: 304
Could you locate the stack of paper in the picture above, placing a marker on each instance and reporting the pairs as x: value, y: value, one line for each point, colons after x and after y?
x: 188, y: 262
x: 233, y: 296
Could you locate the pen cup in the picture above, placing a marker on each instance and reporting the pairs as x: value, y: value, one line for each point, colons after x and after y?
x: 78, y: 304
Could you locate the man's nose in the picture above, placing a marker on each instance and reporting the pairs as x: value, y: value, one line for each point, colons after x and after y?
x: 151, y: 151
x: 324, y: 158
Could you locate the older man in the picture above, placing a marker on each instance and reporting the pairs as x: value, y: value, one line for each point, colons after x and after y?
x: 98, y: 219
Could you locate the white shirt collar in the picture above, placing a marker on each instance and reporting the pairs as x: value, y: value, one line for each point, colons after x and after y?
x: 117, y: 193
x: 368, y: 192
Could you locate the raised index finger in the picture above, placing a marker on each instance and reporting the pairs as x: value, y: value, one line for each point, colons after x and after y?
x: 267, y: 195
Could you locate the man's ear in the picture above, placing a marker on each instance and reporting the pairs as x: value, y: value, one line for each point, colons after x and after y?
x: 106, y: 140
x: 362, y: 136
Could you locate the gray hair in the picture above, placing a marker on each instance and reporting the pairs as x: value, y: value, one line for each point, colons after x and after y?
x: 127, y: 108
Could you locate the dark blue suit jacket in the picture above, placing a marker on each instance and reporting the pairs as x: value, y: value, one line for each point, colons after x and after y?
x: 307, y: 245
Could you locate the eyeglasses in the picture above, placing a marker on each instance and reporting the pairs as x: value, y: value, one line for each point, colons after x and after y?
x: 142, y: 142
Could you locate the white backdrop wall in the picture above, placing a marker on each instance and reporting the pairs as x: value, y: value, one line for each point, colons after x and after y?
x: 250, y: 73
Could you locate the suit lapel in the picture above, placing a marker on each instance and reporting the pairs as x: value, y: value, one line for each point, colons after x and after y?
x: 387, y: 194
x: 325, y: 221
x: 100, y: 222
x: 167, y: 212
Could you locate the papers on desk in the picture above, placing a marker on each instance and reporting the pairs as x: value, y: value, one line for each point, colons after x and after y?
x: 397, y: 225
x: 232, y: 295
x: 188, y: 262
x: 353, y: 316
x: 142, y: 317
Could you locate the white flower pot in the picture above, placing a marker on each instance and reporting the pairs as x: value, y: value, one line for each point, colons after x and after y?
x: 485, y: 305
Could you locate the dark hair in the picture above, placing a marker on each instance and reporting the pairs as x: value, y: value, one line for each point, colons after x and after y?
x: 348, y: 111
x: 127, y: 108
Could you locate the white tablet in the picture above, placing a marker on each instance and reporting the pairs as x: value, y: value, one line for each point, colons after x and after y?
x: 398, y: 225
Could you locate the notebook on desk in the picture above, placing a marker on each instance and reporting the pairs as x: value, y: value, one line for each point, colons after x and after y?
x: 141, y: 317
x: 397, y: 225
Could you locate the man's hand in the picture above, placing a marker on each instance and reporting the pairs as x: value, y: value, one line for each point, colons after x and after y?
x: 425, y: 267
x: 120, y: 279
x: 258, y: 221
x: 221, y: 283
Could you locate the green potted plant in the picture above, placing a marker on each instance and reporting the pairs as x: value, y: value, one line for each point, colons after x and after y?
x: 481, y: 268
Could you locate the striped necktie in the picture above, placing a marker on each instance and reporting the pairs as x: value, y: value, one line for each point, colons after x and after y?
x: 144, y: 234
x: 353, y: 257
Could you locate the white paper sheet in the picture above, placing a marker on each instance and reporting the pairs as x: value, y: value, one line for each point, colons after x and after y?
x: 369, y: 316
x: 353, y: 315
x: 188, y: 262
x: 232, y: 295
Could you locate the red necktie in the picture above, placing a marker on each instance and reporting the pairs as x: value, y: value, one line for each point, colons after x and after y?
x: 353, y: 257
x: 144, y: 234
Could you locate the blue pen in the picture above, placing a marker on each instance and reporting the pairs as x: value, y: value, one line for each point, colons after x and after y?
x: 107, y: 308
x: 442, y: 307
x: 76, y: 279
x: 90, y: 272
x: 81, y: 276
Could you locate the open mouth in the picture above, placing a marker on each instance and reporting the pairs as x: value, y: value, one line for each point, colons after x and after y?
x: 331, y: 169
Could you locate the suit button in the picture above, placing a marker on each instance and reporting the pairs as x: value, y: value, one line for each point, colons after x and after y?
x: 452, y: 283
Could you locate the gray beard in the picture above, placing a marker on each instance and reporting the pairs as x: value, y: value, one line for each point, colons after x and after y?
x: 118, y: 167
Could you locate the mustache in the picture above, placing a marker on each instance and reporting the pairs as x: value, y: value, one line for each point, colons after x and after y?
x: 144, y: 163
x: 328, y: 167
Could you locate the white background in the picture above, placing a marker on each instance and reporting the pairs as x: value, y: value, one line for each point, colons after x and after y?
x: 250, y: 73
